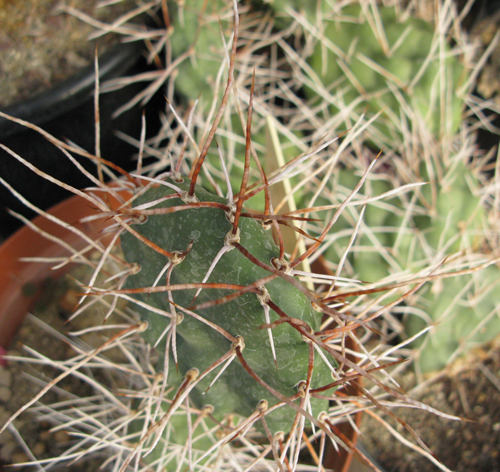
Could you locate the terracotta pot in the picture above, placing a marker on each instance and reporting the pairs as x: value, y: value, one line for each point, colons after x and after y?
x: 21, y: 281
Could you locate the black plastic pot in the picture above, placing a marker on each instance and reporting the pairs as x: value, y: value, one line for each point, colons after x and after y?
x: 67, y: 112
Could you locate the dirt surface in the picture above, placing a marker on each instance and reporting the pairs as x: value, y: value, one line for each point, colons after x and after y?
x: 470, y: 389
x: 40, y: 45
x: 489, y: 78
x: 31, y: 434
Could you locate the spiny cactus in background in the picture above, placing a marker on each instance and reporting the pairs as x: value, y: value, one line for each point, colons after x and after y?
x: 197, y: 39
x: 444, y: 222
x: 456, y: 227
x: 369, y: 58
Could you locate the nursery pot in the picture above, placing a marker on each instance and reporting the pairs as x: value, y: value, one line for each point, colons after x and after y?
x: 22, y: 282
x: 66, y: 111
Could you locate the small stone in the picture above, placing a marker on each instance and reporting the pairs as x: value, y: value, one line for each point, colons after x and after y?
x: 39, y: 448
x: 6, y: 437
x: 478, y: 410
x: 25, y: 331
x: 20, y: 423
x: 7, y: 450
x: 5, y: 377
x: 45, y: 436
x: 69, y: 351
x: 4, y: 415
x: 19, y: 457
x: 44, y: 424
x: 70, y: 300
x: 5, y: 394
x: 61, y: 437
x: 468, y: 455
x: 485, y: 419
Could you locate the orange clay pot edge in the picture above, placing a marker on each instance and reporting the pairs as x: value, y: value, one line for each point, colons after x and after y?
x: 21, y: 281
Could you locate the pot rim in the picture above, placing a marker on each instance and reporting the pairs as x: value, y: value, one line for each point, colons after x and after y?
x: 20, y: 281
x: 71, y: 93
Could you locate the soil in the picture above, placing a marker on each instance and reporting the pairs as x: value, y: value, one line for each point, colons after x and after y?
x: 21, y: 381
x: 469, y: 389
x: 488, y: 81
x: 41, y: 46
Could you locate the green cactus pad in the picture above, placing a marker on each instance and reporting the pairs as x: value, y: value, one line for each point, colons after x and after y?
x: 198, y: 345
x: 197, y: 28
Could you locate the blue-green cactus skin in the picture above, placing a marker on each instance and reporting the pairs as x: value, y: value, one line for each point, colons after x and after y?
x: 198, y: 345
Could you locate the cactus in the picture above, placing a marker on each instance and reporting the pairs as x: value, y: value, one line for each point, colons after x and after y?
x: 253, y: 360
x: 238, y: 336
x: 229, y: 362
x: 367, y: 58
x: 204, y: 232
x: 375, y: 61
x: 462, y: 308
x: 197, y: 38
x: 445, y: 222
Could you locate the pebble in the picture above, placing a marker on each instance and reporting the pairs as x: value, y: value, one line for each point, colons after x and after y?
x: 5, y: 377
x: 7, y: 451
x: 69, y: 301
x: 61, y: 437
x: 6, y: 437
x: 24, y: 332
x: 19, y: 457
x: 4, y: 415
x: 39, y: 448
x: 5, y: 394
x: 45, y: 436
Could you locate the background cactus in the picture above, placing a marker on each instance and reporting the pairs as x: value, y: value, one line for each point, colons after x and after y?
x: 392, y: 65
x: 196, y: 33
x: 373, y: 59
x: 411, y: 233
x: 367, y: 58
